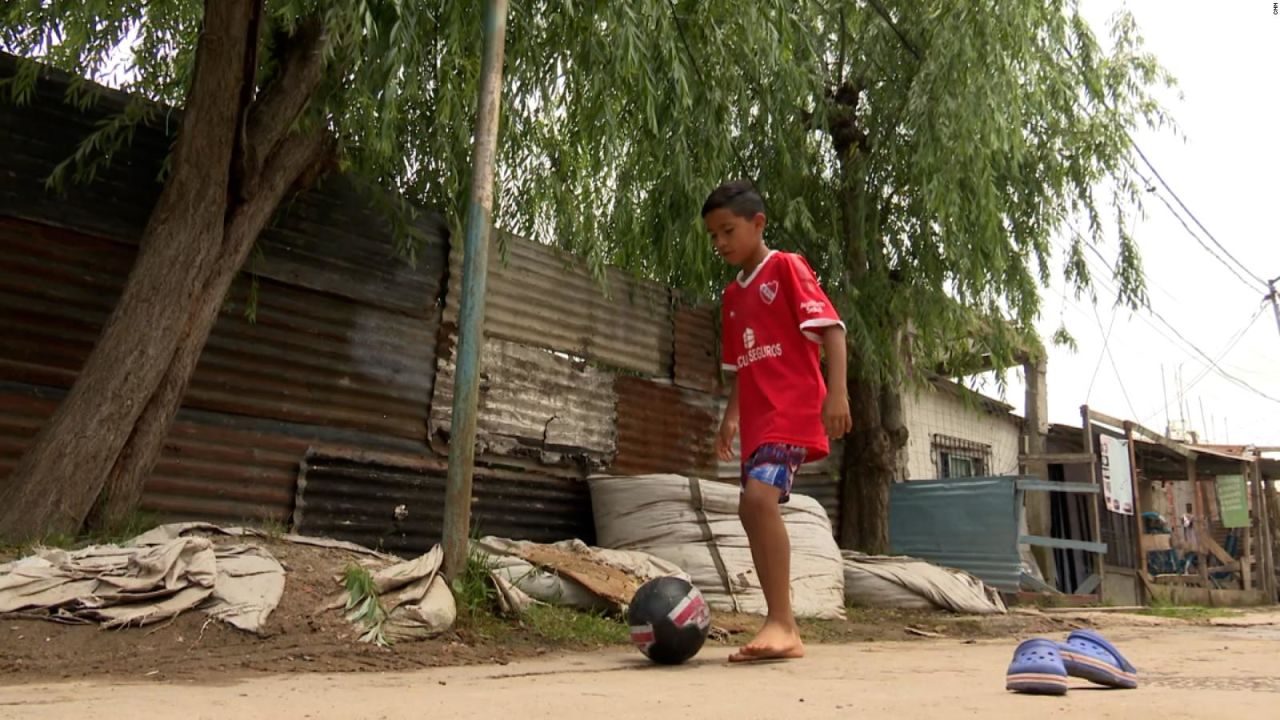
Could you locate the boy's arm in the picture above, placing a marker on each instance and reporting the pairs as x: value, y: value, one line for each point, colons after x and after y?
x: 728, y: 425
x: 835, y: 411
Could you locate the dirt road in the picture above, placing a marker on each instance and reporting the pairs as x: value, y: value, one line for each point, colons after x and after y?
x: 1187, y: 672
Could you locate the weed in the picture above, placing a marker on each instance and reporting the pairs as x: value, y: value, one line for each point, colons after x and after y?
x: 273, y: 529
x: 473, y: 590
x: 364, y: 605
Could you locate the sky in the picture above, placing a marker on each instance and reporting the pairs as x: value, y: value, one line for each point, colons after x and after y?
x: 1225, y: 167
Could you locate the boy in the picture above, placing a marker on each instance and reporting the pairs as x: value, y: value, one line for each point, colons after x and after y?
x: 775, y: 318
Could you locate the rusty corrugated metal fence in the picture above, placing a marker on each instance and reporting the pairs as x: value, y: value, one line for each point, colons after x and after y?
x: 333, y: 406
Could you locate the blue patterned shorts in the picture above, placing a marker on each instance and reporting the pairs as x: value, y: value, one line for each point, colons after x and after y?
x: 774, y: 465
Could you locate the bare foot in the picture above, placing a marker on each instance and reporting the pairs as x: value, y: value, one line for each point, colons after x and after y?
x: 775, y: 641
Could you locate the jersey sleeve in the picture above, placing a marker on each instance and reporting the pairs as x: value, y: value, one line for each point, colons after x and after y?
x: 728, y: 353
x: 811, y: 307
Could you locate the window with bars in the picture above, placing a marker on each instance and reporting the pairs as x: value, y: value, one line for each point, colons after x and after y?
x: 959, y: 458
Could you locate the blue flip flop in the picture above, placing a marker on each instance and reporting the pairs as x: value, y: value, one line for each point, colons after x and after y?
x: 1087, y: 655
x: 1037, y: 669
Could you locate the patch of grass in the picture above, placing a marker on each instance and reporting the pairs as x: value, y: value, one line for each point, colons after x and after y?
x: 137, y: 523
x: 473, y: 590
x: 479, y: 613
x: 574, y: 627
x: 1189, y: 612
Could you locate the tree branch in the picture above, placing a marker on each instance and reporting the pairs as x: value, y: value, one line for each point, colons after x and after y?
x: 240, y: 169
x: 287, y: 94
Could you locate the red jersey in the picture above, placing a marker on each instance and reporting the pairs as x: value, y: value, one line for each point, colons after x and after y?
x: 770, y: 322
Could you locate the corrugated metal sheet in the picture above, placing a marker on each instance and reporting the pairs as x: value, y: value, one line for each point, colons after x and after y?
x: 697, y: 361
x: 398, y: 503
x: 664, y: 429
x: 342, y: 350
x: 534, y: 399
x: 970, y: 524
x: 329, y: 239
x: 310, y: 357
x: 204, y: 472
x: 546, y: 298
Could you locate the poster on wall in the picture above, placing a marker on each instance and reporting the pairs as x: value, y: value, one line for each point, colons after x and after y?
x: 1233, y: 501
x: 1117, y: 480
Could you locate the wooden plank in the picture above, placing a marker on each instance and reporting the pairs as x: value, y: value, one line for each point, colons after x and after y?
x: 1100, y: 559
x: 1147, y: 433
x: 1140, y: 562
x: 1063, y: 544
x: 1263, y: 511
x: 1051, y: 486
x: 1057, y: 458
x: 1037, y: 584
x: 1153, y: 542
x: 1090, y: 584
x: 1201, y: 525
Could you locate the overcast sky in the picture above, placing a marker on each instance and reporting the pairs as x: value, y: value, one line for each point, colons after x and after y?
x: 1226, y: 168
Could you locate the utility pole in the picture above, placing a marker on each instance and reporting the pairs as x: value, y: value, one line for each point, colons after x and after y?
x: 475, y: 266
x: 1274, y: 297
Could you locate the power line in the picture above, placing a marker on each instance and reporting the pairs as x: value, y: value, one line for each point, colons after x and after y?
x: 1186, y: 343
x: 1106, y: 340
x: 1230, y: 345
x: 1192, y: 215
x: 1191, y: 232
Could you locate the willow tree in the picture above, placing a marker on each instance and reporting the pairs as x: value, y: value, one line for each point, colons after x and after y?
x: 921, y: 157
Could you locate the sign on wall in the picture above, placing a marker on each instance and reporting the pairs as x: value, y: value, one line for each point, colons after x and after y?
x: 1117, y: 477
x: 1233, y: 501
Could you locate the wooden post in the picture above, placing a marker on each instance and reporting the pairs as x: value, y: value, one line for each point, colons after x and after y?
x: 1098, y: 501
x: 1197, y: 513
x: 1262, y: 515
x: 1268, y: 510
x: 1035, y: 431
x: 1140, y: 556
x: 1246, y: 553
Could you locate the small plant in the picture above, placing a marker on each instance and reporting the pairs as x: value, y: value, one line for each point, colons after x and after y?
x: 364, y: 606
x: 273, y: 529
x: 473, y: 590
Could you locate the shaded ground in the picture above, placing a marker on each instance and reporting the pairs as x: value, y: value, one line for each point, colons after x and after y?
x: 1186, y: 671
x: 303, y: 637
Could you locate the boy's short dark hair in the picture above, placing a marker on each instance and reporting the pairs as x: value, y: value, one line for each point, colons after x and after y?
x: 738, y: 197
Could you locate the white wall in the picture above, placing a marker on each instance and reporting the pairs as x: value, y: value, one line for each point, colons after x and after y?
x: 930, y: 410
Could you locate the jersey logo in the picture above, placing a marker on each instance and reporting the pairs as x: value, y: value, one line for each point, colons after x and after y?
x: 813, y: 307
x: 769, y: 292
x: 754, y: 353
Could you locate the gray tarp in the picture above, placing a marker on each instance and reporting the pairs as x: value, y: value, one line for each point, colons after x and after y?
x: 911, y: 583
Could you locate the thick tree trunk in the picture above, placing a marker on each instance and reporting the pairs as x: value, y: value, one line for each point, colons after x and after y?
x: 870, y: 464
x: 112, y: 424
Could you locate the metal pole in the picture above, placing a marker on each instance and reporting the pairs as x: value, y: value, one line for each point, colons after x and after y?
x: 475, y: 265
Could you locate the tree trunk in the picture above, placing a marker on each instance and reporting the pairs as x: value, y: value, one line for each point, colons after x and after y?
x: 112, y: 424
x: 871, y: 451
x: 124, y: 486
x: 870, y: 463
